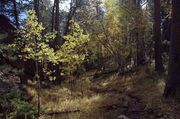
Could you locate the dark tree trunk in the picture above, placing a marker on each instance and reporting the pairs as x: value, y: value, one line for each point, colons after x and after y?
x: 52, y: 22
x: 36, y: 8
x: 58, y: 40
x: 173, y: 83
x: 23, y: 79
x: 157, y: 36
x: 57, y: 20
x: 39, y: 88
x: 140, y: 51
x: 166, y: 33
x: 72, y: 12
x: 16, y: 13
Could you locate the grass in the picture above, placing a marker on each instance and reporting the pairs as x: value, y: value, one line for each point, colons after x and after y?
x: 137, y: 95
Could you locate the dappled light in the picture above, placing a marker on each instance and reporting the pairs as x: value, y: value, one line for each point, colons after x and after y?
x: 89, y: 59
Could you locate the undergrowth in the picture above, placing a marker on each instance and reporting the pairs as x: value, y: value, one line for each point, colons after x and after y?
x: 107, y: 98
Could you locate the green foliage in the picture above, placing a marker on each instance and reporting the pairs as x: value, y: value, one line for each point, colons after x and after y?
x: 115, y: 35
x: 32, y: 44
x: 74, y: 51
x: 14, y: 103
x: 8, y: 52
x: 22, y: 108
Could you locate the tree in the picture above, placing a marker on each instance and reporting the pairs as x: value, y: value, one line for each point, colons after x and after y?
x: 73, y: 52
x: 52, y: 20
x: 74, y: 5
x: 36, y: 8
x: 14, y: 9
x: 35, y: 46
x: 157, y: 36
x: 58, y: 40
x: 16, y: 14
x: 173, y: 82
x: 45, y: 11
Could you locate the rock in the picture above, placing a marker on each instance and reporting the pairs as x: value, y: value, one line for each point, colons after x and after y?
x: 122, y: 117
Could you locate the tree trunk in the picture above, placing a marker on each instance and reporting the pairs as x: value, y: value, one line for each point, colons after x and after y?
x: 157, y: 37
x: 16, y: 13
x: 71, y: 14
x: 23, y: 79
x: 36, y: 8
x: 58, y: 41
x: 52, y: 22
x: 140, y: 50
x: 39, y: 88
x: 173, y: 83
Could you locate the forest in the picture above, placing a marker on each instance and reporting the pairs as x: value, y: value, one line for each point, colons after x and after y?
x: 89, y: 59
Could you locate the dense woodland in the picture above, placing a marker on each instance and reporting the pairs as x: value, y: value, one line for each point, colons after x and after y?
x: 89, y: 59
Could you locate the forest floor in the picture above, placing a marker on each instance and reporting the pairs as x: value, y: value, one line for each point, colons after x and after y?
x: 135, y: 95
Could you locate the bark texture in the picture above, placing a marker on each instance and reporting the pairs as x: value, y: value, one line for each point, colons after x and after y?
x: 173, y: 83
x: 157, y: 36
